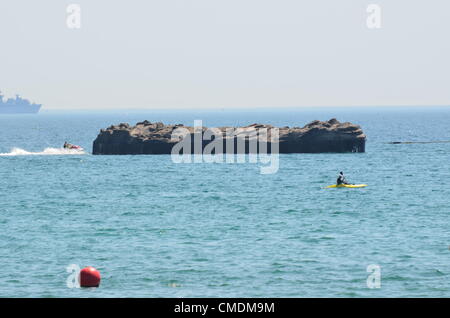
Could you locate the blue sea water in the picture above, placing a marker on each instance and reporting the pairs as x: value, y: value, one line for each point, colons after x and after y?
x: 155, y: 228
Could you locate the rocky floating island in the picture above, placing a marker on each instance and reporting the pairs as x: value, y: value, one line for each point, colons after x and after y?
x: 157, y: 138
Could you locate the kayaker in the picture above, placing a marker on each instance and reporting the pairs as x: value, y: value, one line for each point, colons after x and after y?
x: 341, y: 179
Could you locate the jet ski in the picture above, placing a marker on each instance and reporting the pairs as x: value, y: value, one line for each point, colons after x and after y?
x: 76, y: 147
x: 71, y: 147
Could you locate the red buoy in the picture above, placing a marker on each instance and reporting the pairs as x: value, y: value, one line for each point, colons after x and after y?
x: 89, y: 277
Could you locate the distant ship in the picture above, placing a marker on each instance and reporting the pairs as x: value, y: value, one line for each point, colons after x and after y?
x: 18, y: 105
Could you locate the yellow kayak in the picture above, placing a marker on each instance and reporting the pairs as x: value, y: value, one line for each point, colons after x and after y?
x: 347, y: 186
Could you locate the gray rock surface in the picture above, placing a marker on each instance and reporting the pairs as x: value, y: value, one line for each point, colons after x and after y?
x: 156, y: 138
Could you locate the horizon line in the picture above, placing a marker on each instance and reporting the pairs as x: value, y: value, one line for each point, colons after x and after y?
x: 43, y: 109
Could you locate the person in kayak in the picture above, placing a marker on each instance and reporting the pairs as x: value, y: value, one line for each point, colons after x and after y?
x: 341, y: 179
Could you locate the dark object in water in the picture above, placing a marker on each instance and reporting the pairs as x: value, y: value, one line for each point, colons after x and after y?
x: 418, y: 142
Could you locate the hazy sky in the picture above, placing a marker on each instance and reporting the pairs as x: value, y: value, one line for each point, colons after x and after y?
x: 225, y: 53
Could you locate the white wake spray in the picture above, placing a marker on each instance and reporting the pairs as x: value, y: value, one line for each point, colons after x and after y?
x: 45, y: 152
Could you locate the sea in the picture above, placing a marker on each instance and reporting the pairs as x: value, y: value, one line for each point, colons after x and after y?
x: 156, y: 228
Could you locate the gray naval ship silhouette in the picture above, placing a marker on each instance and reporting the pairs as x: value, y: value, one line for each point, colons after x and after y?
x: 18, y: 105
